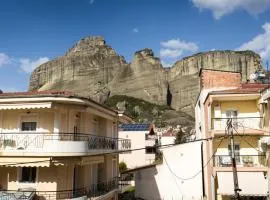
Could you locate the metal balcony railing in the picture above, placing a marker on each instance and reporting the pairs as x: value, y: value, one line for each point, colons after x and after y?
x: 95, y: 190
x: 238, y: 123
x: 241, y: 160
x: 35, y: 140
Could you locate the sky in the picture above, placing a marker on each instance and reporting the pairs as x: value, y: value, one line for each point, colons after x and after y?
x: 33, y: 32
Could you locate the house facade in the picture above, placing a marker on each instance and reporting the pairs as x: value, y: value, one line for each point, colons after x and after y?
x: 223, y: 97
x: 143, y: 141
x: 55, y: 145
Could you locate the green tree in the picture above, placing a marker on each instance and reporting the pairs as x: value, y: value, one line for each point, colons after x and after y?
x: 181, y: 137
x: 122, y: 167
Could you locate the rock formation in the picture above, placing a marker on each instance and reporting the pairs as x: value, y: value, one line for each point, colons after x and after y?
x: 93, y: 69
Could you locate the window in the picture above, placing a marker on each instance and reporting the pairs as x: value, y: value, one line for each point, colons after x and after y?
x: 28, y: 174
x: 231, y: 113
x: 29, y: 126
x: 150, y: 150
x: 236, y: 152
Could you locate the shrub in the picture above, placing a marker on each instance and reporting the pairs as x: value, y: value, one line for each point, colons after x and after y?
x: 122, y: 166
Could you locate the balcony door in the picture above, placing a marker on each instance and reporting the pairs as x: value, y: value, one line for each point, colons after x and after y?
x: 94, y: 176
x: 76, y: 126
x: 27, y: 139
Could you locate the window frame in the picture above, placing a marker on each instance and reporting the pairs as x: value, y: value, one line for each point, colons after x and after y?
x: 19, y: 177
x: 36, y: 120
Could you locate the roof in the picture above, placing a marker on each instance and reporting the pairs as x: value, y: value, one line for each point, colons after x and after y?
x: 135, y: 127
x: 168, y: 134
x: 245, y: 88
x: 57, y: 93
x: 37, y: 93
x: 216, y: 70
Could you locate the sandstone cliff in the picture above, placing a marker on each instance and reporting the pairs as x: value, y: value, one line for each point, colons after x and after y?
x: 93, y: 69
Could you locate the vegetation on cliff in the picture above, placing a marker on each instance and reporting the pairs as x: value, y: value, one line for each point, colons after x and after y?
x: 143, y: 111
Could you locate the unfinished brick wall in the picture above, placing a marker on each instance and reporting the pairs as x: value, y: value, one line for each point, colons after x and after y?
x: 213, y: 78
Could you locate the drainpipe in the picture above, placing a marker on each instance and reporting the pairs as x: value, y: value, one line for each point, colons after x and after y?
x: 203, y: 183
x: 268, y: 170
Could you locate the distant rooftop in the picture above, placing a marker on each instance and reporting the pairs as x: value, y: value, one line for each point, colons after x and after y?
x: 135, y: 127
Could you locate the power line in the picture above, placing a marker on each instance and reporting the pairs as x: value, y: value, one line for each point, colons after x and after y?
x: 242, y: 136
x: 196, y: 174
x: 109, y: 153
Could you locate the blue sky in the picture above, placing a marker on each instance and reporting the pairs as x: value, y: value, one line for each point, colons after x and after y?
x: 33, y: 32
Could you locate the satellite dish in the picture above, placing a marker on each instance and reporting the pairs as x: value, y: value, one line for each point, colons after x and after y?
x: 253, y: 76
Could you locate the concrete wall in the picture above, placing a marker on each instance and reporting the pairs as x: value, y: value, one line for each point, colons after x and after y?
x: 11, y: 120
x: 167, y: 140
x: 48, y: 178
x: 167, y: 180
x: 135, y: 158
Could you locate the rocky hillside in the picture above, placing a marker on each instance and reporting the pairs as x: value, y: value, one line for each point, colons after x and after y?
x: 143, y: 111
x: 93, y: 69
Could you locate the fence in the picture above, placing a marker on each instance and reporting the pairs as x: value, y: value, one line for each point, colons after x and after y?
x: 238, y: 123
x: 95, y: 190
x: 23, y: 141
x: 241, y: 160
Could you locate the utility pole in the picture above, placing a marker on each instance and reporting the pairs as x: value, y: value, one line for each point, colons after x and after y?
x: 235, y: 178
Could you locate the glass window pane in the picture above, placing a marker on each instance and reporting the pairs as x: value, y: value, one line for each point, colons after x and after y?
x: 29, y: 126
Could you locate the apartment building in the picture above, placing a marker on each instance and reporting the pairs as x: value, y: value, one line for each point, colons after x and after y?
x: 144, y: 139
x: 224, y: 97
x: 56, y: 145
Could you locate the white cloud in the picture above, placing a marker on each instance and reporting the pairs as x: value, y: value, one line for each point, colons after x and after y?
x: 4, y: 59
x: 180, y: 44
x: 170, y: 53
x: 176, y: 47
x: 260, y: 43
x: 28, y: 65
x: 135, y: 30
x: 223, y: 7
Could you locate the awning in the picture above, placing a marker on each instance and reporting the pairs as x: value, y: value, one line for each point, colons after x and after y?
x: 251, y: 183
x: 24, y: 162
x: 25, y: 106
x: 91, y: 160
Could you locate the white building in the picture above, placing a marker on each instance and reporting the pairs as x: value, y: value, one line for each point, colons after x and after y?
x: 223, y: 97
x: 178, y: 177
x: 56, y: 145
x: 168, y: 138
x: 142, y: 137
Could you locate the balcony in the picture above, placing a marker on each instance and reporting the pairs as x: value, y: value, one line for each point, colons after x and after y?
x: 96, y: 191
x: 254, y: 161
x: 59, y: 144
x: 243, y: 125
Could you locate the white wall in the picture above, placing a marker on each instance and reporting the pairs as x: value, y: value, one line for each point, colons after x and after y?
x: 164, y: 181
x: 165, y: 140
x: 134, y: 158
